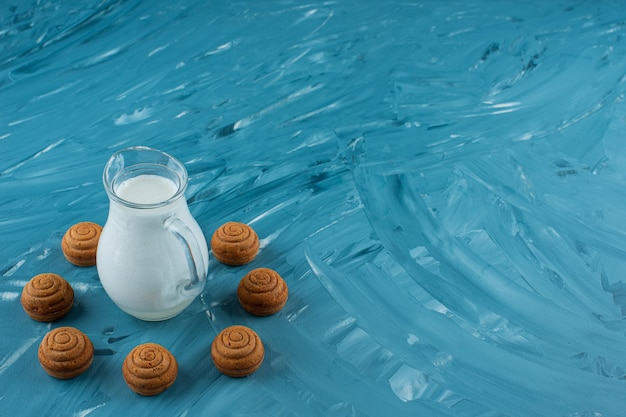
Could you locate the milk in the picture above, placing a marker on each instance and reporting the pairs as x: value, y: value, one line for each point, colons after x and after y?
x: 146, y: 189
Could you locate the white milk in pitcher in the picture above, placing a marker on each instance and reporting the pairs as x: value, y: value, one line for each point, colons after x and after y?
x: 146, y: 189
x: 144, y: 250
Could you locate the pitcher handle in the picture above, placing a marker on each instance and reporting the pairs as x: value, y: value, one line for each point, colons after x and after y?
x: 193, y: 286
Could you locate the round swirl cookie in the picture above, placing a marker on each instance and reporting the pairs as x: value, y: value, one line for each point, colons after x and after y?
x: 65, y: 352
x: 237, y: 351
x: 149, y: 369
x: 262, y: 292
x: 80, y: 242
x: 47, y: 297
x: 235, y: 243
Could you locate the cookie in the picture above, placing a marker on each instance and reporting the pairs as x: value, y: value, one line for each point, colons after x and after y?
x: 262, y: 292
x: 235, y: 243
x: 80, y: 242
x: 149, y: 369
x: 47, y: 297
x: 237, y: 351
x: 65, y: 352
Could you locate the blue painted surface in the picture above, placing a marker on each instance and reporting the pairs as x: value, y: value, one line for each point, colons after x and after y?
x: 441, y: 184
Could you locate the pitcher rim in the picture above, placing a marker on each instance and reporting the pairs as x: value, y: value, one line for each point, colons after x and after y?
x: 110, y: 188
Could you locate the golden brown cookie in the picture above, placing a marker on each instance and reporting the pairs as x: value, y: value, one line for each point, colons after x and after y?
x: 80, y: 242
x: 235, y: 243
x: 262, y: 292
x: 149, y: 369
x: 47, y: 297
x: 65, y: 352
x: 237, y: 351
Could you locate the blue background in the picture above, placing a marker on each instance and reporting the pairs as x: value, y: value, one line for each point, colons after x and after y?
x: 441, y: 184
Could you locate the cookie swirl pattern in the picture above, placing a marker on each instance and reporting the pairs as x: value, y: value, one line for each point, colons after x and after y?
x: 80, y: 242
x: 65, y: 352
x: 47, y: 297
x: 150, y: 369
x: 235, y: 243
x: 237, y: 351
x: 262, y: 292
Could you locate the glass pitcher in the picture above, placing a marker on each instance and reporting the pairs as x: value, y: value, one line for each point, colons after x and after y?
x: 152, y: 256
